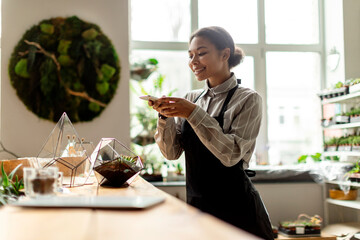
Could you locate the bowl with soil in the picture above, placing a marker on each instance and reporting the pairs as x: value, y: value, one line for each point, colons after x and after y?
x: 114, y: 164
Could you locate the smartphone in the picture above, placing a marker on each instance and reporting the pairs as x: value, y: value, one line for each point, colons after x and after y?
x: 148, y: 97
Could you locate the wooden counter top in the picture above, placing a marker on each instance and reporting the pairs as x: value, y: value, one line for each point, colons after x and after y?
x: 172, y: 219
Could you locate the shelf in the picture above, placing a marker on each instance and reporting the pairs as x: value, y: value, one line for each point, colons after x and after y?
x: 341, y: 99
x: 345, y: 125
x: 352, y: 184
x: 345, y: 203
x: 342, y: 153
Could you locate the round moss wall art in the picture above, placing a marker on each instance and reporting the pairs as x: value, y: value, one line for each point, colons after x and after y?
x: 65, y: 65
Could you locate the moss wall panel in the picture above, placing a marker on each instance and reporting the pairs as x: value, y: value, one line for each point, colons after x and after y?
x: 22, y: 131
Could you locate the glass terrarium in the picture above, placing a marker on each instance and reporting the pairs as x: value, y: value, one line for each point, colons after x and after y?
x: 114, y: 164
x: 305, y: 225
x: 65, y: 150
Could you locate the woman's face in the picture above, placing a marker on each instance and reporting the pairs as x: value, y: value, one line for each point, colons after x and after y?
x: 205, y: 60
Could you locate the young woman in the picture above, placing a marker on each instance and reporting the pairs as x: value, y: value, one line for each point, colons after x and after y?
x: 217, y: 128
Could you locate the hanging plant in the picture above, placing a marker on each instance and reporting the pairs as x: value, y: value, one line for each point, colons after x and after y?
x: 65, y: 65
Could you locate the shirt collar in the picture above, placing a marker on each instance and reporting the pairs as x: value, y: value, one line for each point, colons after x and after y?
x: 223, y: 87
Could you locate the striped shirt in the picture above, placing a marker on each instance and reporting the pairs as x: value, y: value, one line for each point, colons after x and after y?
x: 242, y: 119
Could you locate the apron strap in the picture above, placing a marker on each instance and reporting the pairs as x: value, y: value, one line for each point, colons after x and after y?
x: 227, y: 100
x: 199, y: 96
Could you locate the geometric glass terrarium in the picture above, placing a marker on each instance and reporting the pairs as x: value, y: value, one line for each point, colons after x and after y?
x: 64, y: 149
x: 114, y: 164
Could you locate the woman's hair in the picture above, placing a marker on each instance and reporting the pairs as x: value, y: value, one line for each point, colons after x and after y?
x: 221, y: 39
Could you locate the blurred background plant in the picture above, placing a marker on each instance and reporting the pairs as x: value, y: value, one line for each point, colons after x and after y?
x: 146, y: 80
x: 10, y: 188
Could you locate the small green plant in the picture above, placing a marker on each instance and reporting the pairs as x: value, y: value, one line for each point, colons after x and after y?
x: 179, y: 169
x: 332, y: 158
x: 9, y: 189
x: 316, y: 157
x: 127, y: 158
x: 355, y: 169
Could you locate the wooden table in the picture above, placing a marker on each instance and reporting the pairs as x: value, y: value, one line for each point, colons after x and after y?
x: 172, y: 219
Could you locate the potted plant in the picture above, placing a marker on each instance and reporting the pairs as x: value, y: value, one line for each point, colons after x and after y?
x: 331, y: 144
x: 354, y: 115
x: 354, y: 174
x: 10, y: 187
x: 356, y: 144
x: 354, y: 85
x: 345, y: 143
x: 341, y: 118
x: 117, y: 171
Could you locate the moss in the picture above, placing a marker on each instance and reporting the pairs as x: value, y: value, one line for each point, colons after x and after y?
x: 21, y: 68
x: 82, y: 60
x: 47, y: 28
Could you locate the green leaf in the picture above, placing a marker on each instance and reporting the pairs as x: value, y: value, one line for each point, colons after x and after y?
x: 302, y: 159
x: 11, y: 175
x: 94, y: 107
x: 172, y: 91
x: 102, y: 87
x: 90, y: 34
x: 153, y: 61
x: 21, y: 68
x: 107, y: 72
x: 65, y: 60
x: 63, y: 46
x: 4, y: 177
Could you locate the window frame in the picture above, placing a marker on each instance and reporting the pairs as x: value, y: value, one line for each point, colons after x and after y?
x: 258, y: 52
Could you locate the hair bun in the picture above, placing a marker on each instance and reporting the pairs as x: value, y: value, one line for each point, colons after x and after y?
x: 238, y: 57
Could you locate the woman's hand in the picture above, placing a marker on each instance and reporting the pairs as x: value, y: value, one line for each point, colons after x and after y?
x: 173, y: 107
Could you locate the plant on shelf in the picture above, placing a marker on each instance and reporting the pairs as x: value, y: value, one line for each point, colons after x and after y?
x: 354, y: 174
x: 315, y: 157
x: 10, y: 188
x: 345, y: 143
x: 331, y: 144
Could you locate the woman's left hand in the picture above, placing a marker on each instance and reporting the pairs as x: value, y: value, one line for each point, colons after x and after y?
x: 174, y: 107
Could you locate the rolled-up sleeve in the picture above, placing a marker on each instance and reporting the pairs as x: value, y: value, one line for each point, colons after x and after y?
x: 167, y: 137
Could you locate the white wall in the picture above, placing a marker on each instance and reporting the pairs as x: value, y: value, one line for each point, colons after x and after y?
x: 285, y: 201
x: 22, y: 131
x: 351, y: 12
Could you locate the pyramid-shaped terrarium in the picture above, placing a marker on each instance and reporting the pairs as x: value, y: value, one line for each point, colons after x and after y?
x: 114, y: 164
x: 64, y: 149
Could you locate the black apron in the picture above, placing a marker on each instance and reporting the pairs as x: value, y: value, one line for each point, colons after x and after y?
x: 225, y: 192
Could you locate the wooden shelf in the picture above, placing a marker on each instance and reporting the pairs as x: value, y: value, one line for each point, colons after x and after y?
x: 342, y: 99
x: 345, y: 203
x: 344, y: 126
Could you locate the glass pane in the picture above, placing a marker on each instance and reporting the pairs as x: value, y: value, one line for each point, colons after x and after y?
x: 293, y: 108
x: 238, y: 17
x: 245, y: 72
x: 292, y: 22
x: 173, y: 65
x: 160, y: 20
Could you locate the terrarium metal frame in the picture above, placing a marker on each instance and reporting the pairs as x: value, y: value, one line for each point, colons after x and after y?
x: 68, y: 154
x: 118, y: 162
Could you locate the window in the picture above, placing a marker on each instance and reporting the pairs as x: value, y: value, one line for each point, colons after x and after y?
x: 283, y: 43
